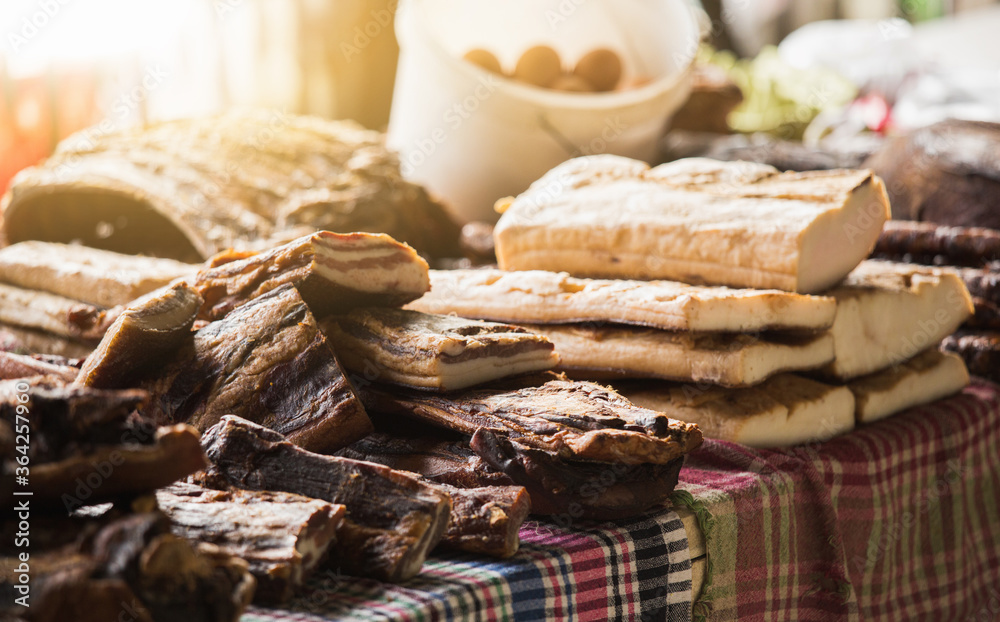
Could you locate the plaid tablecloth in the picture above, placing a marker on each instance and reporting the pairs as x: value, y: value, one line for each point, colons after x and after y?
x: 899, y: 520
x: 628, y: 570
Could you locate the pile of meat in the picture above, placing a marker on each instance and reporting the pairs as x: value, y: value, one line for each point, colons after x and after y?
x: 271, y: 414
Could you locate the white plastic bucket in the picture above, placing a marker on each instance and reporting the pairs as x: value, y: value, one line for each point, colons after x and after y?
x: 472, y: 137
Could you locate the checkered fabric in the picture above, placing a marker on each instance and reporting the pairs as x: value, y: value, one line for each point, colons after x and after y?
x: 626, y: 570
x: 899, y: 520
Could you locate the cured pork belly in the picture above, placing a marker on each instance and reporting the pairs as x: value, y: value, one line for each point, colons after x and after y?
x: 732, y: 360
x: 334, y: 273
x: 98, y: 277
x: 190, y: 188
x: 268, y: 362
x: 142, y: 337
x: 783, y: 411
x: 56, y: 315
x: 927, y: 377
x: 539, y: 297
x: 695, y: 220
x: 487, y: 509
x: 889, y: 312
x: 103, y: 569
x: 434, y: 351
x: 77, y: 432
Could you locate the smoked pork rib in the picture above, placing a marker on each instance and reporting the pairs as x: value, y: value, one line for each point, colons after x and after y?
x: 334, y: 272
x: 393, y: 519
x: 487, y: 509
x: 571, y: 420
x: 146, y: 333
x: 438, y: 352
x: 268, y: 362
x: 283, y: 537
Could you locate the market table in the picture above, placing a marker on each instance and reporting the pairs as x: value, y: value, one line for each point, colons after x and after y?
x: 896, y: 520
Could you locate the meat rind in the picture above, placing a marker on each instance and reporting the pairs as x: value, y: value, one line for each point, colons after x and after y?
x: 98, y: 277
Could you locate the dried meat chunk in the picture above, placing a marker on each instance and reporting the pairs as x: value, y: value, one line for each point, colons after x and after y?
x: 268, y: 362
x: 283, y: 537
x: 146, y: 333
x: 566, y: 419
x: 393, y: 519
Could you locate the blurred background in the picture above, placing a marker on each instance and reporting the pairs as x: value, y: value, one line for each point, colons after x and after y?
x: 882, y: 66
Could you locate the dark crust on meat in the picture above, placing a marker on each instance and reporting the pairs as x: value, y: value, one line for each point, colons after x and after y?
x: 577, y: 489
x: 96, y: 569
x: 146, y: 333
x: 487, y: 508
x: 424, y: 333
x: 487, y: 520
x: 443, y: 461
x: 572, y: 420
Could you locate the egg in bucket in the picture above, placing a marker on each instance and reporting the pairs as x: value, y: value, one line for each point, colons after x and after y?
x: 472, y: 135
